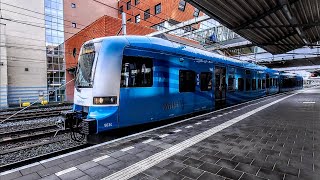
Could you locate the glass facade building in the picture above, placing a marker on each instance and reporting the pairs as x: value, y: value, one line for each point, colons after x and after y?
x: 55, y: 49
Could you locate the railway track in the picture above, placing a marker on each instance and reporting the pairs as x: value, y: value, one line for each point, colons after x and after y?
x: 31, y: 153
x: 20, y: 135
x: 28, y: 145
x: 30, y: 135
x: 32, y: 114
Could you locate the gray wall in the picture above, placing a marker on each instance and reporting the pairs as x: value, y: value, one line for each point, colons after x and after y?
x: 3, y: 68
x: 25, y: 50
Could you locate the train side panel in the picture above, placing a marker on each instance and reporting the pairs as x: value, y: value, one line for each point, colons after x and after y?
x: 162, y: 100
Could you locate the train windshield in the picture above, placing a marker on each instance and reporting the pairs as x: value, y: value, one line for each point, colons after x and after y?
x: 85, y: 65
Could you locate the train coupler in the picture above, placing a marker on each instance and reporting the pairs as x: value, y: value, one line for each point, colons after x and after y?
x: 75, y: 122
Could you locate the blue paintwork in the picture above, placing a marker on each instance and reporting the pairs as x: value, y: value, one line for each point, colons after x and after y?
x: 162, y: 101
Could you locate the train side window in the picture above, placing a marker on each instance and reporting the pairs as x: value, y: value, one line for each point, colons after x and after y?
x: 254, y: 84
x: 187, y: 81
x: 248, y: 84
x: 259, y: 83
x: 263, y: 84
x: 231, y: 83
x: 206, y: 81
x: 136, y: 72
x: 240, y: 84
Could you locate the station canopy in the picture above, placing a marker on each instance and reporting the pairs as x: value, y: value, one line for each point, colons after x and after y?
x: 278, y: 26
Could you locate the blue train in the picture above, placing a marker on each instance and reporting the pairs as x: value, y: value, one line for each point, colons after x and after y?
x: 129, y: 80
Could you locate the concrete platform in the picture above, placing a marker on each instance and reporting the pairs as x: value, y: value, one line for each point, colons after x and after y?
x: 276, y: 137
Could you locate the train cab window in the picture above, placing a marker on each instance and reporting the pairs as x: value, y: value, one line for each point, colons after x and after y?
x: 254, y: 84
x: 206, y: 81
x: 263, y: 84
x: 248, y: 84
x: 240, y: 84
x: 231, y: 83
x: 187, y: 81
x: 259, y: 83
x: 136, y: 72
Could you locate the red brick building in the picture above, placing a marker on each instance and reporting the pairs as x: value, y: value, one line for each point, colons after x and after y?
x: 104, y: 26
x: 79, y: 13
x: 154, y: 12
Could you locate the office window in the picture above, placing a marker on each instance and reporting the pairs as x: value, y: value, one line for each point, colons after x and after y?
x: 196, y: 12
x: 157, y: 9
x: 187, y: 81
x: 136, y: 72
x: 206, y: 81
x: 74, y: 25
x: 240, y: 84
x: 128, y: 5
x: 254, y: 84
x: 136, y: 2
x: 121, y: 9
x: 182, y: 5
x: 248, y: 84
x: 259, y: 83
x: 247, y: 71
x: 147, y: 14
x: 129, y: 20
x: 231, y: 83
x: 73, y: 5
x: 137, y: 18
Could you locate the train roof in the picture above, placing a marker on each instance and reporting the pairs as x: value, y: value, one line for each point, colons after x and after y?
x: 158, y: 44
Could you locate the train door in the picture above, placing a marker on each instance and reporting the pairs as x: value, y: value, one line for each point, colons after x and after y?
x: 267, y: 83
x: 220, y: 87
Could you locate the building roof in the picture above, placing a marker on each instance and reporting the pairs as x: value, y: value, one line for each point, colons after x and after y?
x: 277, y: 26
x: 313, y: 61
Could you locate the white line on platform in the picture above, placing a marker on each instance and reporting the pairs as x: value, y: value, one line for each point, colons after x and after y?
x: 213, y: 117
x: 147, y: 141
x: 133, y: 135
x: 198, y: 123
x: 66, y: 171
x: 189, y: 127
x: 127, y: 149
x: 178, y: 130
x: 220, y: 115
x: 145, y: 164
x: 100, y: 158
x: 207, y: 120
x: 164, y: 135
x: 309, y: 102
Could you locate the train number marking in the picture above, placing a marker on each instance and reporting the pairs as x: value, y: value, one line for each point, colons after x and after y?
x: 107, y: 124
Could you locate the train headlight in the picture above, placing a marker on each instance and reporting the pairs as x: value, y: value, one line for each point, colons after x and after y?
x: 105, y: 100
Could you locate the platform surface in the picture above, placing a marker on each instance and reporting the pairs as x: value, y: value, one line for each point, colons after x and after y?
x: 276, y: 137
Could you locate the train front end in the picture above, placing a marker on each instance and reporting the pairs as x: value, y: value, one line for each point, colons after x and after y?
x: 97, y: 87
